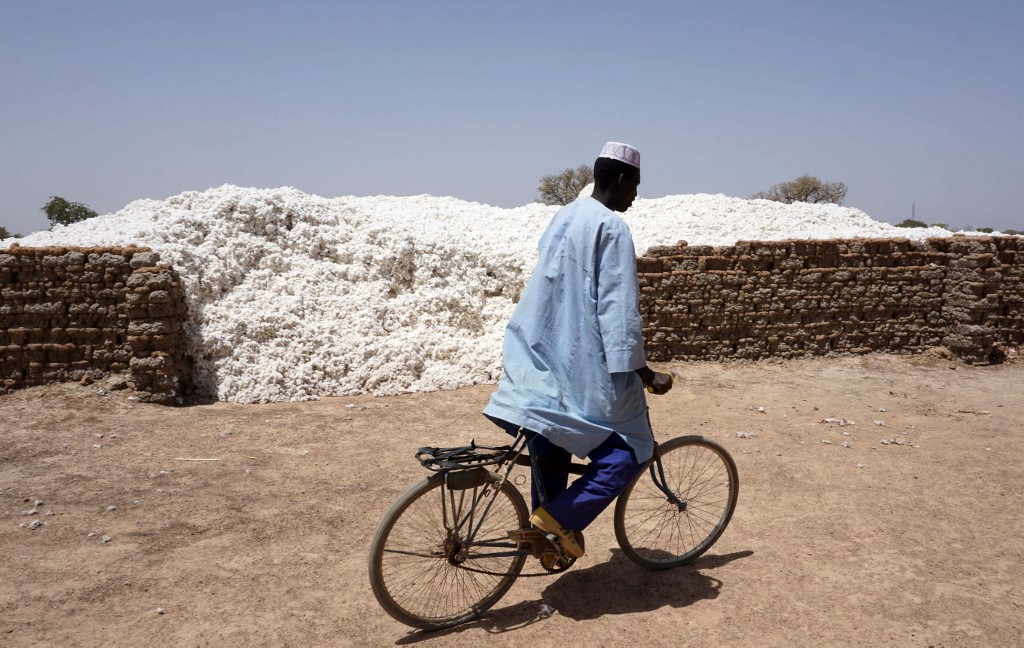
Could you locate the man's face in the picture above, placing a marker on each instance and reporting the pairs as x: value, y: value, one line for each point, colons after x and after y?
x: 627, y: 191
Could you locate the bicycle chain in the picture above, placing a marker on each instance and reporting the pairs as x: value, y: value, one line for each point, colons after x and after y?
x: 546, y: 572
x: 520, y: 575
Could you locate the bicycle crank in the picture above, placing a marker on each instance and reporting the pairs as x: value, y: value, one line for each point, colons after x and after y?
x: 546, y: 548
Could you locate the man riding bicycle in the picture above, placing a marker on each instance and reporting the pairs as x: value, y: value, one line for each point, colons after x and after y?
x: 574, y: 362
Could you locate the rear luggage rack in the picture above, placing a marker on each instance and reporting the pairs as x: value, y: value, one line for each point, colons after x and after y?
x: 471, y: 456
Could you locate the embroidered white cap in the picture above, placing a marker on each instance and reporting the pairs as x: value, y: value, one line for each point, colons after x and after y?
x: 622, y: 153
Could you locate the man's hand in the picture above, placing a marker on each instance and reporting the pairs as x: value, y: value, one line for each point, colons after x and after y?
x: 660, y: 384
x: 656, y: 383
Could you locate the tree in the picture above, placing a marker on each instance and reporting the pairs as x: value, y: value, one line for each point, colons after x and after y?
x: 910, y: 222
x: 806, y: 189
x: 5, y: 233
x: 61, y: 212
x: 563, y: 188
x: 1014, y: 232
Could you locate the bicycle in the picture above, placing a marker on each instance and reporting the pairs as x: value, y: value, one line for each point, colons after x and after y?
x: 453, y: 544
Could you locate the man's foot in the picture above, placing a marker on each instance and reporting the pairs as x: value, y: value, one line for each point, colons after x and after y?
x: 543, y: 521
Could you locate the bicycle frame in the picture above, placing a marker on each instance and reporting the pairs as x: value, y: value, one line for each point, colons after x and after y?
x: 464, y: 479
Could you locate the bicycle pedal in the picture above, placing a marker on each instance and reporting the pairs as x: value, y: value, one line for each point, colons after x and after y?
x: 539, y: 543
x: 524, y: 535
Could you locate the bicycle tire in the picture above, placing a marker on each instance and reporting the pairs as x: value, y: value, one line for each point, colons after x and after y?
x: 412, y: 571
x: 652, y: 530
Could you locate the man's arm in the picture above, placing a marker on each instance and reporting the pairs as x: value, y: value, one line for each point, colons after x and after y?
x: 617, y: 295
x: 658, y: 383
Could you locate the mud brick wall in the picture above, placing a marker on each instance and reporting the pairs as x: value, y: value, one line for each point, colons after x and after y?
x: 84, y: 313
x: 984, y: 298
x: 796, y: 298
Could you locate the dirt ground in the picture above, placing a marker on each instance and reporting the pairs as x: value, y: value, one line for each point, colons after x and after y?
x: 913, y: 542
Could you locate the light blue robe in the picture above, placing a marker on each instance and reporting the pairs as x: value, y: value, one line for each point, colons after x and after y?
x: 575, y: 338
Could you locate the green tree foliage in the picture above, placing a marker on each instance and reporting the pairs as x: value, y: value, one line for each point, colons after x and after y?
x: 910, y: 222
x: 1014, y: 232
x: 563, y: 188
x: 5, y: 233
x: 985, y: 230
x: 61, y: 212
x: 806, y: 189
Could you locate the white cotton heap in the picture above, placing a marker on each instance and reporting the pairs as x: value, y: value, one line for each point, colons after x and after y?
x: 293, y: 296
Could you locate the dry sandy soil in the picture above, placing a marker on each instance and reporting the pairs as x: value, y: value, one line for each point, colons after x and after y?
x: 911, y: 543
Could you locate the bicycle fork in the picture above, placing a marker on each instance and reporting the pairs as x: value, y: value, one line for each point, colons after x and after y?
x: 658, y: 477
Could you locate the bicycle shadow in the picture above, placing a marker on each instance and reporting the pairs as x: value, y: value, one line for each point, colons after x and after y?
x: 585, y: 594
x: 496, y: 621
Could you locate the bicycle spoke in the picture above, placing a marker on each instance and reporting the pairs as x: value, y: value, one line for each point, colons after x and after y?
x: 429, y: 566
x: 652, y: 526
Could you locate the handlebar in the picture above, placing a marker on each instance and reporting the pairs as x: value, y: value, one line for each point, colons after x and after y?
x: 671, y: 377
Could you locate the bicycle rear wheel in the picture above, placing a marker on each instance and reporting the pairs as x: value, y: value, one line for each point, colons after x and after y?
x: 656, y: 532
x: 422, y: 570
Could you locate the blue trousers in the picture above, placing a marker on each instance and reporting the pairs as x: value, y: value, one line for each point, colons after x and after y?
x: 612, y: 466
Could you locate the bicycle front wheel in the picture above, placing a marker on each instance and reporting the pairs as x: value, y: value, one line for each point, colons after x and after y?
x: 438, y: 559
x: 659, y: 528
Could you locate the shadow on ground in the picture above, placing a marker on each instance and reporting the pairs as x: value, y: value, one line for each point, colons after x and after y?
x: 585, y: 594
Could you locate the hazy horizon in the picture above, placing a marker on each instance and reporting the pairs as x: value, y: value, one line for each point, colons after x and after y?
x: 916, y: 104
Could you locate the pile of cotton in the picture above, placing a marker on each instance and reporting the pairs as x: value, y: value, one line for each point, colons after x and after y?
x: 293, y: 296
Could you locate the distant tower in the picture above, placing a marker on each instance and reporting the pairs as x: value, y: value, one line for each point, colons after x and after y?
x: 913, y: 210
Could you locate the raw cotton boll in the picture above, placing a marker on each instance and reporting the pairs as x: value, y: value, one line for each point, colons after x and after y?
x: 586, y: 192
x: 293, y: 296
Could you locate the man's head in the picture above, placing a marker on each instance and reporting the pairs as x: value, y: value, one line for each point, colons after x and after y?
x: 617, y: 176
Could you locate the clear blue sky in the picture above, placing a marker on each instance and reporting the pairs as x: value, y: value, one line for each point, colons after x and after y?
x: 908, y: 102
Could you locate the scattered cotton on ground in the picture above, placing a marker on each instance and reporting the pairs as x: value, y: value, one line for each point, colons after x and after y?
x: 292, y: 296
